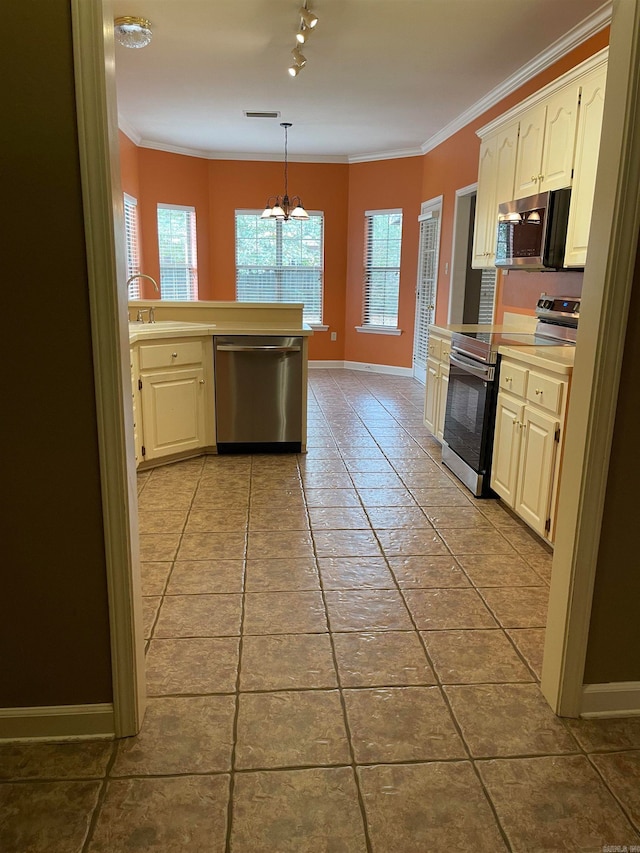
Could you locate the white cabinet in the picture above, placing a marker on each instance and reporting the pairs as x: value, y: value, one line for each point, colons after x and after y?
x: 527, y: 447
x: 437, y: 383
x: 496, y: 174
x: 586, y: 164
x: 546, y: 144
x: 175, y: 395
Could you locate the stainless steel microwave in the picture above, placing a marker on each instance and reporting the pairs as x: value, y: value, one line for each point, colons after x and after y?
x: 532, y: 231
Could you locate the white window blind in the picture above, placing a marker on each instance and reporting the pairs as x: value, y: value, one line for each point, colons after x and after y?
x: 280, y: 261
x: 383, y: 241
x: 132, y: 246
x: 178, y: 252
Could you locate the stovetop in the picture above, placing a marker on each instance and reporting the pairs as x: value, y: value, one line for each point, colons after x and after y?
x: 483, y: 346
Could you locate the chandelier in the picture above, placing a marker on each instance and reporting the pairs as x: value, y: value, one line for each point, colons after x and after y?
x: 283, y: 208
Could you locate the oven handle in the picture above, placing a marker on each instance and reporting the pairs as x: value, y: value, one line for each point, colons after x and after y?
x: 472, y: 367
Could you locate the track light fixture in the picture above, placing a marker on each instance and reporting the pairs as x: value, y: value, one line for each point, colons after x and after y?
x: 308, y: 18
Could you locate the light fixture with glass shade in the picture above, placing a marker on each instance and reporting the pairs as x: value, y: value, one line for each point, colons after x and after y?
x: 283, y: 208
x: 133, y: 32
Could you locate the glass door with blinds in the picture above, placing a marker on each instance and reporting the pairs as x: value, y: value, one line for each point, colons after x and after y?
x: 426, y: 287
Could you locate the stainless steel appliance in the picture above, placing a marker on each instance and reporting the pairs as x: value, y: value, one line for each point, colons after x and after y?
x: 471, y: 397
x: 258, y: 393
x: 532, y: 231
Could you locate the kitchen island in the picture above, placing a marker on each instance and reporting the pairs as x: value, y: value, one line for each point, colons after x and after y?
x: 172, y: 370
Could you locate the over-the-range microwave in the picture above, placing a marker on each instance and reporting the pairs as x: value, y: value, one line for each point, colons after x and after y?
x: 532, y: 231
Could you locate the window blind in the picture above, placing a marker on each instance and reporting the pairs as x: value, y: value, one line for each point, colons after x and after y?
x: 280, y: 261
x: 178, y: 252
x: 132, y: 247
x: 383, y: 241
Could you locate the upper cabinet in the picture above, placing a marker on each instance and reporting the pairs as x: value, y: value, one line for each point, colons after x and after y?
x: 586, y: 165
x: 495, y: 184
x: 548, y: 142
x: 546, y: 145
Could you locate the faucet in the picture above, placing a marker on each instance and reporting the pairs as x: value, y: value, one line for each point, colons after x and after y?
x: 152, y: 316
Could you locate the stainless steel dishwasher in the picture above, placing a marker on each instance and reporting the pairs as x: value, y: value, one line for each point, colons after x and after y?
x: 258, y: 393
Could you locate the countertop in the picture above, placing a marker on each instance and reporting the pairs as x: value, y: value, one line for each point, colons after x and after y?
x: 179, y: 329
x: 448, y: 330
x: 559, y: 359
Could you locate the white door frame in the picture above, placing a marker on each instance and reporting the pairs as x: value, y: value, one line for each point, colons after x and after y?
x: 428, y: 210
x: 94, y: 68
x: 608, y: 279
x: 459, y: 248
x: 607, y: 284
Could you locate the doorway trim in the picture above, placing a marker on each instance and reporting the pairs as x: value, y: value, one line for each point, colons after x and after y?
x: 94, y: 71
x: 608, y: 279
x: 459, y: 248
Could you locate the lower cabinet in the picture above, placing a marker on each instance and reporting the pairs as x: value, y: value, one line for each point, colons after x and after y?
x: 527, y: 447
x: 435, y: 405
x: 173, y: 397
x: 173, y: 403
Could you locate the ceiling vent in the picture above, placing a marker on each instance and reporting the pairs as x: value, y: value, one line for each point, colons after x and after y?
x: 259, y: 114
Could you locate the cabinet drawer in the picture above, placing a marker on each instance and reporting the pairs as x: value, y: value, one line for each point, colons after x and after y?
x: 167, y: 355
x: 435, y: 347
x: 445, y: 351
x: 545, y: 392
x: 513, y: 378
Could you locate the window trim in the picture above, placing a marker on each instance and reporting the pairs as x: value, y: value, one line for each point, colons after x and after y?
x: 191, y: 268
x: 376, y: 328
x: 317, y: 325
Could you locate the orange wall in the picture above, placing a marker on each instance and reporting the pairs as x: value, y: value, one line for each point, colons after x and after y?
x: 378, y: 186
x: 172, y: 179
x: 454, y: 164
x: 216, y: 188
x: 236, y: 184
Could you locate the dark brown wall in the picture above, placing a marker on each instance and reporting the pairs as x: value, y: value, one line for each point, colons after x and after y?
x: 613, y: 652
x: 54, y: 634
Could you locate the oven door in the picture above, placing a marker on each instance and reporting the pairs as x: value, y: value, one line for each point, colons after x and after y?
x: 468, y: 423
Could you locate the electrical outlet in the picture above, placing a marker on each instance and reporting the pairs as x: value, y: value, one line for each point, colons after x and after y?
x: 334, y: 336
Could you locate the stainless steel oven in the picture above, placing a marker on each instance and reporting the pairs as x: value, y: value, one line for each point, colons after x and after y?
x: 473, y: 380
x: 470, y: 413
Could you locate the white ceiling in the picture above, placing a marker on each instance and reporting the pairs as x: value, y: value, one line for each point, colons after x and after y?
x: 383, y: 77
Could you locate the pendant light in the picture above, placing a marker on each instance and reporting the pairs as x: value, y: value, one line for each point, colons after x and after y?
x: 283, y: 208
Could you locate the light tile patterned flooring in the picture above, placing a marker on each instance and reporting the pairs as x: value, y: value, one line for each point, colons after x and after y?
x: 343, y: 654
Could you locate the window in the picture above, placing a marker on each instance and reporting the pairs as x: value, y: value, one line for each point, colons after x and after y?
x: 177, y: 249
x: 383, y: 239
x: 280, y: 261
x: 132, y: 244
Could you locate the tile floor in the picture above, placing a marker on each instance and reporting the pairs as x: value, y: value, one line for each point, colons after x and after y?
x: 343, y: 654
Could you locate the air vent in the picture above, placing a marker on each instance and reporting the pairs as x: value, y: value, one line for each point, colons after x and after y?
x: 257, y: 114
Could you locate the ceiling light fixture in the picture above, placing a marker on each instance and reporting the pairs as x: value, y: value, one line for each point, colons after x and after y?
x: 282, y: 208
x: 308, y: 18
x: 132, y: 32
x: 302, y: 35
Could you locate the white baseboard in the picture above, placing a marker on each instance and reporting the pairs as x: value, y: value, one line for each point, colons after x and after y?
x: 318, y: 365
x: 364, y: 366
x: 57, y: 722
x: 616, y: 699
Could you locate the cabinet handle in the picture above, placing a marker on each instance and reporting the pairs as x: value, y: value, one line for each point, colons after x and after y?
x: 540, y: 178
x: 508, y: 379
x: 534, y: 178
x: 174, y: 355
x: 538, y: 391
x: 201, y: 381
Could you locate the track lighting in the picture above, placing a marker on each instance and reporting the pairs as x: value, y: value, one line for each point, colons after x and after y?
x: 308, y: 18
x: 302, y: 35
x: 298, y: 58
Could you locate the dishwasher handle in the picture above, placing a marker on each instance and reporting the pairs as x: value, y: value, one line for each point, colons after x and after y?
x: 240, y: 348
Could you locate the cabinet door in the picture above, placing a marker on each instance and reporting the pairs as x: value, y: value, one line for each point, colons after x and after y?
x: 585, y: 167
x: 432, y: 395
x: 506, y: 448
x: 537, y: 459
x: 137, y: 413
x: 486, y: 205
x: 173, y: 404
x: 442, y: 400
x: 559, y: 139
x: 530, y: 147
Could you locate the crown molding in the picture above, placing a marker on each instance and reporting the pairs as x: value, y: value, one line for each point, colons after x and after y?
x: 129, y: 130
x: 591, y: 25
x: 386, y: 155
